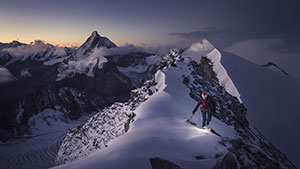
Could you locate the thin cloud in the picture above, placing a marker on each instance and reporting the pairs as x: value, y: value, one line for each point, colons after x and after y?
x: 200, y: 34
x: 35, y: 47
x: 5, y: 75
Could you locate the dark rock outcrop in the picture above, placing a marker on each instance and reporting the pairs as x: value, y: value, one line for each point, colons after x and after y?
x: 158, y: 163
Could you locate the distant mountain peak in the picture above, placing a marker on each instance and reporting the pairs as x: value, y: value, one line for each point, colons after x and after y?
x: 94, y: 41
x: 16, y: 42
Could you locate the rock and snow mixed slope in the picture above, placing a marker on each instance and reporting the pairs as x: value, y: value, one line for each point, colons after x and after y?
x: 109, y: 124
x: 270, y: 97
x: 35, y: 88
x: 160, y: 133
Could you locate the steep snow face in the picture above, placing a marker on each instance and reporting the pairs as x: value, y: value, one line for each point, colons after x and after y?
x: 204, y: 48
x: 272, y: 99
x: 159, y: 130
x: 84, y: 65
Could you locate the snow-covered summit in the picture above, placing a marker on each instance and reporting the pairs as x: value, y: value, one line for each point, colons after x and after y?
x: 94, y: 41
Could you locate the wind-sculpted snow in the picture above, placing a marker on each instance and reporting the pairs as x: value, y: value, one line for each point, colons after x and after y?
x: 204, y: 48
x: 106, y: 125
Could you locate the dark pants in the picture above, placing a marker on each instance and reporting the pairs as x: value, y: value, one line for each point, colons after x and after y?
x: 206, y: 118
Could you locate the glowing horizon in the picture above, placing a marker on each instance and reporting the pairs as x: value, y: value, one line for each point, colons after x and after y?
x: 69, y: 23
x: 82, y: 39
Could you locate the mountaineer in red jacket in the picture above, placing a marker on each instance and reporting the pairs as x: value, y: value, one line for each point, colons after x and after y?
x: 208, y: 106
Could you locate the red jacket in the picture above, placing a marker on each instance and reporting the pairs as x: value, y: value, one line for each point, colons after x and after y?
x: 206, y: 104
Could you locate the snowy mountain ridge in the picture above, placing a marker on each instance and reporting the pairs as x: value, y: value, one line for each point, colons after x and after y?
x: 50, y: 54
x: 159, y: 130
x: 38, y: 50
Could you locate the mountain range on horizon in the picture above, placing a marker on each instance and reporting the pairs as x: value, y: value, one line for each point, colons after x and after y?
x: 74, y: 107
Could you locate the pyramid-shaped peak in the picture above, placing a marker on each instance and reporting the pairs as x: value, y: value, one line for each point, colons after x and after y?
x: 94, y: 41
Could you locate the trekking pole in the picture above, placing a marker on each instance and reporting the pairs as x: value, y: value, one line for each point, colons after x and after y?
x: 191, y: 117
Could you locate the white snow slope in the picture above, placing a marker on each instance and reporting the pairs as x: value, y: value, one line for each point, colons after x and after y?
x: 272, y: 100
x: 159, y: 130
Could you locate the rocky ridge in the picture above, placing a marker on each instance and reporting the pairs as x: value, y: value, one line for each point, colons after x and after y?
x: 106, y: 125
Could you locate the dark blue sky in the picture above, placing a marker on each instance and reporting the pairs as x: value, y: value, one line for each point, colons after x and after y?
x: 149, y: 22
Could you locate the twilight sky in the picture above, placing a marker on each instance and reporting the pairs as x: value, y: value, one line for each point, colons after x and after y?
x: 69, y: 22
